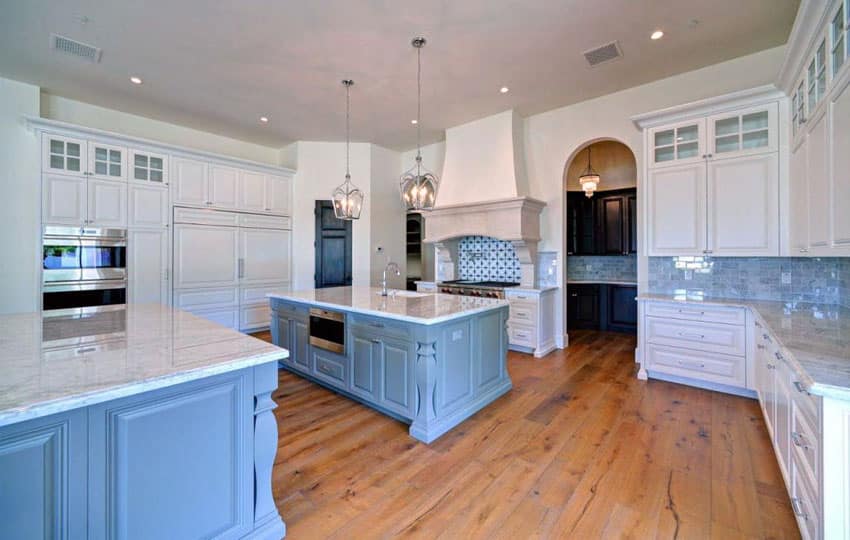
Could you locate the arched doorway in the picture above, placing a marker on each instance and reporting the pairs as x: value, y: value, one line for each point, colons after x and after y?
x: 601, y: 239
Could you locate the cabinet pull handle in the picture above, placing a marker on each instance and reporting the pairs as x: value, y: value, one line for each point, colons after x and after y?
x: 771, y: 366
x: 800, y: 388
x: 760, y: 347
x: 85, y: 350
x: 767, y: 338
x: 804, y: 250
x: 758, y: 324
x: 799, y: 440
x: 688, y: 312
x: 376, y: 341
x: 779, y: 356
x: 688, y: 364
x: 689, y: 334
x: 241, y: 268
x: 798, y: 509
x: 376, y: 325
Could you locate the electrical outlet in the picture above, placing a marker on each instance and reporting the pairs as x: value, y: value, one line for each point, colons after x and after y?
x: 786, y: 278
x: 588, y: 267
x: 689, y: 275
x: 379, y: 249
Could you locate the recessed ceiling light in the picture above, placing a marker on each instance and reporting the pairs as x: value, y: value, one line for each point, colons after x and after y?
x: 135, y: 80
x: 504, y: 89
x: 414, y: 121
x: 264, y: 119
x: 658, y: 34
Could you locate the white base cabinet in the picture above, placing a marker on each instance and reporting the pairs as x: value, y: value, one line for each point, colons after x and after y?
x: 531, y: 326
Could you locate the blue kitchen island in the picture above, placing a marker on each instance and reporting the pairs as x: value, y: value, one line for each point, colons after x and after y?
x: 430, y: 360
x: 137, y: 421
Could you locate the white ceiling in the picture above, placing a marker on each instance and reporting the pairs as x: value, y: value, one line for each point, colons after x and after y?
x: 219, y: 65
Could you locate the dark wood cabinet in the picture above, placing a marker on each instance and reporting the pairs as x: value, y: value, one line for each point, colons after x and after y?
x: 605, y: 224
x: 602, y: 306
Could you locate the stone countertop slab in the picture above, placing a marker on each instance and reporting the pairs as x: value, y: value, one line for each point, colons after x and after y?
x: 815, y: 336
x: 51, y: 364
x: 420, y: 308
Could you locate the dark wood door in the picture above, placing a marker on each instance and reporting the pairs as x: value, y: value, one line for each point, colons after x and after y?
x: 631, y: 210
x: 622, y: 308
x: 583, y: 307
x: 613, y: 227
x: 333, y: 248
x: 581, y: 234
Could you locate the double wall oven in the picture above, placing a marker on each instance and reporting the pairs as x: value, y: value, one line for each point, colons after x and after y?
x: 83, y: 267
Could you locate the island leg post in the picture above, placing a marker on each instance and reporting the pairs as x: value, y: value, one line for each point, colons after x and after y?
x: 426, y: 386
x: 267, y: 521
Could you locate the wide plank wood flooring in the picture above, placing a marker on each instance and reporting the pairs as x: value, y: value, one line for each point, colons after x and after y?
x: 578, y: 449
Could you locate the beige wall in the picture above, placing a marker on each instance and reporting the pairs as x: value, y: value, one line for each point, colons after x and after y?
x: 20, y: 203
x: 85, y: 114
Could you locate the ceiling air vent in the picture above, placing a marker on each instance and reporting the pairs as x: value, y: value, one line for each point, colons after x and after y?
x: 603, y: 54
x: 75, y: 48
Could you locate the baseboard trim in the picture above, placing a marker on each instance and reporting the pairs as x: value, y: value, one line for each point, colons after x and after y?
x: 705, y: 385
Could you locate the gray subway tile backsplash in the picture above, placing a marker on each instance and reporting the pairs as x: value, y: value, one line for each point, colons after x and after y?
x: 606, y: 268
x: 820, y: 280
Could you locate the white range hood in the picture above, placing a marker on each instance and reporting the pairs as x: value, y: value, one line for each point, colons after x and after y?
x: 484, y: 191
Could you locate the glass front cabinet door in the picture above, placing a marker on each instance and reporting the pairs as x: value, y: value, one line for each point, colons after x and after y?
x: 677, y: 144
x: 751, y: 131
x: 64, y: 155
x: 148, y: 167
x: 107, y: 162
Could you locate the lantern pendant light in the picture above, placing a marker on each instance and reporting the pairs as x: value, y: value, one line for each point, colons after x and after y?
x: 419, y: 185
x: 589, y: 180
x: 347, y: 198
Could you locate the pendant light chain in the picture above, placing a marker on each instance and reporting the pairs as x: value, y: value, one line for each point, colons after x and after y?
x: 347, y: 130
x: 418, y: 110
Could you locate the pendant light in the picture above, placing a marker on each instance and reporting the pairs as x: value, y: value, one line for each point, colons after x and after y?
x: 347, y: 198
x: 419, y: 185
x: 589, y: 180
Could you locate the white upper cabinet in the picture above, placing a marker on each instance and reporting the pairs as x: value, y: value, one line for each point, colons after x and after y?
x: 839, y: 112
x: 107, y: 203
x: 63, y: 155
x: 107, y: 162
x: 676, y: 209
x: 677, y: 144
x: 63, y: 200
x: 743, y: 205
x: 278, y: 189
x: 148, y: 167
x: 224, y: 186
x: 752, y: 131
x: 148, y: 206
x: 191, y: 184
x: 252, y: 191
x: 147, y: 265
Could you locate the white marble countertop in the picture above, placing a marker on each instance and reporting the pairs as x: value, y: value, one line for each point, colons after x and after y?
x: 421, y: 308
x: 54, y: 364
x: 605, y: 281
x: 816, y: 338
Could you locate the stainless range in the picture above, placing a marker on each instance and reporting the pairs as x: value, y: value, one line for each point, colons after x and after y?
x: 468, y: 287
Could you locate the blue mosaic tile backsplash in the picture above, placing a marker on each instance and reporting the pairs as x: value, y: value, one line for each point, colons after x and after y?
x: 606, y: 268
x: 487, y: 259
x: 820, y: 280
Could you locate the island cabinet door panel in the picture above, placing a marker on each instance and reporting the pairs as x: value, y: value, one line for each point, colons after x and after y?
x: 205, y: 256
x: 396, y: 377
x: 174, y: 463
x: 365, y: 365
x: 43, y: 477
x: 301, y: 344
x: 282, y: 335
x: 490, y: 362
x: 455, y: 371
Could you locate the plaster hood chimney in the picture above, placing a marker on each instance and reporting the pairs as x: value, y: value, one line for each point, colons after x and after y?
x: 484, y: 191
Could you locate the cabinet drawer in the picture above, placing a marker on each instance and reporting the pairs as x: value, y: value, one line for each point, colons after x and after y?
x: 523, y: 313
x: 701, y: 365
x: 373, y: 326
x: 720, y: 338
x: 329, y: 367
x: 697, y: 313
x: 805, y: 500
x: 201, y: 216
x: 254, y: 317
x: 521, y: 297
x: 806, y: 438
x: 522, y: 336
x: 191, y: 299
x: 256, y: 294
x: 291, y: 311
x: 264, y: 222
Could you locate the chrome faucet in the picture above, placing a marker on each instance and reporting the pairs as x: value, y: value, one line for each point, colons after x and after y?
x: 390, y: 266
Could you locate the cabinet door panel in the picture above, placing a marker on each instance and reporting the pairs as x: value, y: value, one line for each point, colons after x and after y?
x: 64, y: 200
x: 107, y: 203
x: 396, y: 380
x: 63, y: 155
x: 840, y: 125
x: 798, y: 226
x: 277, y: 195
x: 301, y: 344
x: 676, y: 213
x: 631, y: 209
x: 205, y: 256
x: 147, y: 262
x: 252, y: 191
x: 224, y: 182
x: 612, y: 225
x: 365, y: 366
x: 817, y: 175
x: 148, y: 206
x: 264, y: 254
x: 583, y: 306
x: 743, y: 205
x: 191, y: 185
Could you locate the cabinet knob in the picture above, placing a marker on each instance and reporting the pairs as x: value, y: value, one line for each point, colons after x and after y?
x: 804, y: 250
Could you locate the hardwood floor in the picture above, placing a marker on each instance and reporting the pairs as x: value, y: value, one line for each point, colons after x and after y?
x: 578, y: 449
